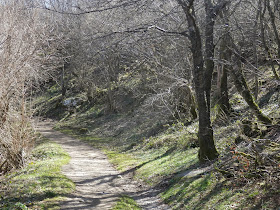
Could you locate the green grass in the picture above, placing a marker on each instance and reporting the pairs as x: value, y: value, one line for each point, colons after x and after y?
x: 166, y: 165
x: 210, y: 192
x: 40, y: 185
x: 155, y: 165
x: 126, y: 203
x: 122, y: 161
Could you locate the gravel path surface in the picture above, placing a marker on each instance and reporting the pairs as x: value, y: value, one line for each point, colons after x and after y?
x: 98, y: 184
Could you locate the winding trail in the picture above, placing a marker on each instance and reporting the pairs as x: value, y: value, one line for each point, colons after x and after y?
x: 98, y: 184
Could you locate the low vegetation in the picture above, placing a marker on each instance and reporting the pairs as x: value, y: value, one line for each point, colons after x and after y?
x: 126, y: 202
x: 39, y: 185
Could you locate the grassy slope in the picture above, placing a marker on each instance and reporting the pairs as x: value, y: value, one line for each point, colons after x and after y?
x: 40, y: 185
x: 161, y: 160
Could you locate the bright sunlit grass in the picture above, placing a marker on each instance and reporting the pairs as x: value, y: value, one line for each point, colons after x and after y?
x: 126, y: 203
x: 40, y: 185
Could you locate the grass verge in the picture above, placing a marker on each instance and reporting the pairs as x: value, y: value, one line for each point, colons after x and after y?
x: 127, y: 203
x: 40, y: 185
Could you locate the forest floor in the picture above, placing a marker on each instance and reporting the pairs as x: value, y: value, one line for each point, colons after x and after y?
x: 98, y: 184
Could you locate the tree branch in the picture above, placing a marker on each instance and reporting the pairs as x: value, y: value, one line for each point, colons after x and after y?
x: 183, y: 33
x: 125, y: 4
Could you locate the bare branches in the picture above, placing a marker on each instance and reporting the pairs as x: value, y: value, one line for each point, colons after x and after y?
x: 81, y: 11
x: 29, y: 51
x: 184, y: 33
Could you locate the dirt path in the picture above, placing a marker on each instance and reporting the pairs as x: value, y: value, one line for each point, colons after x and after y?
x: 98, y: 184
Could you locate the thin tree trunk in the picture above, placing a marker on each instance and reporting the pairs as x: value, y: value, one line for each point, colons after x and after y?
x: 223, y: 100
x: 266, y: 48
x: 275, y: 30
x: 272, y: 21
x: 255, y: 39
x: 209, y: 48
x: 63, y: 85
x: 243, y: 89
x: 225, y: 55
x: 111, y: 102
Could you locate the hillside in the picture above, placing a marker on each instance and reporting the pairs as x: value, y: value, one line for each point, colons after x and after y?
x: 162, y: 153
x: 181, y: 96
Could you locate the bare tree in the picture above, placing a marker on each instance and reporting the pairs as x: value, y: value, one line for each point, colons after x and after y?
x: 27, y: 55
x: 124, y: 36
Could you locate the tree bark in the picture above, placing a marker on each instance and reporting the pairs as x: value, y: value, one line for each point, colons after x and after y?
x: 207, y: 149
x: 209, y: 48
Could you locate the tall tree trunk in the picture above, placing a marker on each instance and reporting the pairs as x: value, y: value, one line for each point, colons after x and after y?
x: 207, y: 149
x: 209, y: 48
